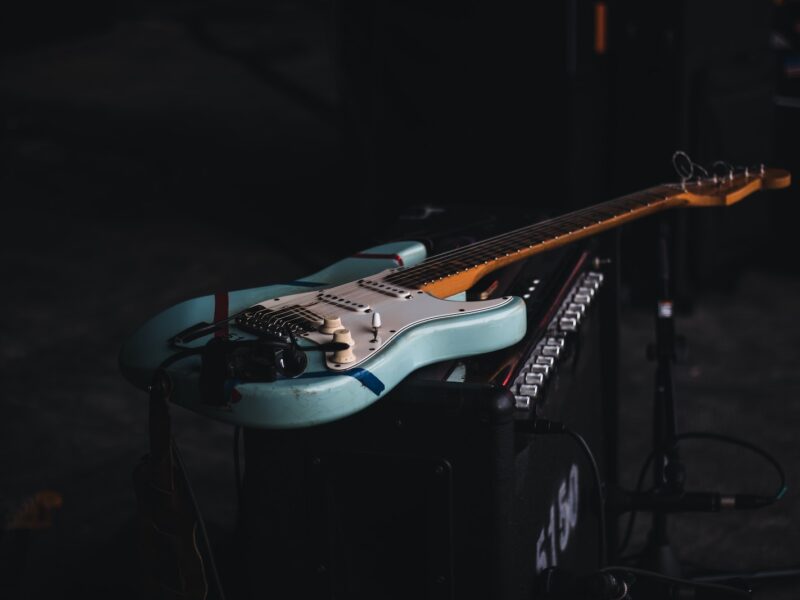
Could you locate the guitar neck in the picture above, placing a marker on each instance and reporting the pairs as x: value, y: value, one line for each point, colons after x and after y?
x: 456, y: 271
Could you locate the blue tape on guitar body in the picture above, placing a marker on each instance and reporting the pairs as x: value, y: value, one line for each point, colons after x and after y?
x: 366, y: 378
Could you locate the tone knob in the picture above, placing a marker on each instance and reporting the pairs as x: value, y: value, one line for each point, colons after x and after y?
x: 330, y: 325
x: 342, y: 336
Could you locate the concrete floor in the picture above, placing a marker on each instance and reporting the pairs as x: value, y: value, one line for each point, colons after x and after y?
x: 98, y: 240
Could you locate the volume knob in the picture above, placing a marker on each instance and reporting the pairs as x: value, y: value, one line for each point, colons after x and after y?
x: 342, y: 336
x: 330, y: 325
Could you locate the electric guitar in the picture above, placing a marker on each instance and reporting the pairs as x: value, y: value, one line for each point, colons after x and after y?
x: 312, y: 351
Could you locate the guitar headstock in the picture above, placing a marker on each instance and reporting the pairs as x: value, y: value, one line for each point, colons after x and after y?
x: 727, y: 190
x: 727, y: 185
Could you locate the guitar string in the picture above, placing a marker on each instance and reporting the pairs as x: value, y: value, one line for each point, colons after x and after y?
x: 521, y: 231
x: 600, y: 213
x: 496, y: 245
x: 605, y: 211
x: 287, y: 316
x: 608, y: 210
x: 512, y: 241
x: 659, y: 192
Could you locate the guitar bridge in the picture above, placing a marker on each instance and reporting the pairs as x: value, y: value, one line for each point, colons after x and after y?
x: 263, y: 321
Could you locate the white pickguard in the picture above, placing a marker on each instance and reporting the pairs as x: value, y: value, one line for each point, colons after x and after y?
x: 355, y: 303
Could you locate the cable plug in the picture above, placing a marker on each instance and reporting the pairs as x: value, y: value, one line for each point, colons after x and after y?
x: 745, y: 501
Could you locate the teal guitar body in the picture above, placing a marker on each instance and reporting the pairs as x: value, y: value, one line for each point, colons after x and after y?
x: 413, y: 329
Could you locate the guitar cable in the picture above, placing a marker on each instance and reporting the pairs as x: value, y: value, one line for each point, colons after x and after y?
x: 160, y: 371
x: 212, y: 564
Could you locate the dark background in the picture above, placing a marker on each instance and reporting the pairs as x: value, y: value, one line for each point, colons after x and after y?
x: 155, y: 151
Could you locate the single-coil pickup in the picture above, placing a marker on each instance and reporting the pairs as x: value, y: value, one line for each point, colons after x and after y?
x: 343, y: 302
x: 384, y: 288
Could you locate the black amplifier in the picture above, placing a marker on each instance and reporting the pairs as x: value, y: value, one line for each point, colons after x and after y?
x: 436, y: 492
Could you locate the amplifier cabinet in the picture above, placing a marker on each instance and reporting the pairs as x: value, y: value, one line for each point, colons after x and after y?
x: 430, y: 493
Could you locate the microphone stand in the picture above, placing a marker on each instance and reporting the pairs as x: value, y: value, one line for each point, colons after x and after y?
x: 669, y: 473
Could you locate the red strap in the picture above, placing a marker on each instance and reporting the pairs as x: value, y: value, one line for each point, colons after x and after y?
x: 394, y: 257
x: 221, y: 312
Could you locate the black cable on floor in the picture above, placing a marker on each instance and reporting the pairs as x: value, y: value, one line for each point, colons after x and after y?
x: 684, y: 588
x: 718, y: 437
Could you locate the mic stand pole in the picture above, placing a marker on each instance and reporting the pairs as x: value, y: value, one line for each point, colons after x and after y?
x: 668, y: 471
